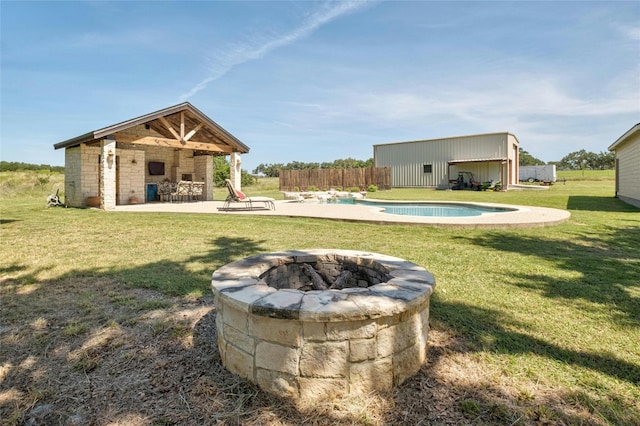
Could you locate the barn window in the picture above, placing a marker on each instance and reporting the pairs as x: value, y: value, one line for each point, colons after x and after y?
x: 427, y: 168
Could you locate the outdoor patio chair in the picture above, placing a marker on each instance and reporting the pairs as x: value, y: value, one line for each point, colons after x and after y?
x: 164, y: 191
x: 197, y: 189
x: 168, y: 191
x: 183, y: 190
x: 236, y: 196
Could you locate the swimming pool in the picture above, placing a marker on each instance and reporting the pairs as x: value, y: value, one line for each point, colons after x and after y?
x: 429, y: 209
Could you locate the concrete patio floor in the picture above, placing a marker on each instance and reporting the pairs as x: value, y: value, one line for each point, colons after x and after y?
x: 524, y: 217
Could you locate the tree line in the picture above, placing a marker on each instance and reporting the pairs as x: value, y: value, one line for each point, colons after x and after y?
x: 578, y: 160
x: 13, y: 166
x: 273, y: 170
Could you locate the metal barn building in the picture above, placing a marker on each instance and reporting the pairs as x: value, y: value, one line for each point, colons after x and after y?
x: 627, y: 149
x: 436, y: 163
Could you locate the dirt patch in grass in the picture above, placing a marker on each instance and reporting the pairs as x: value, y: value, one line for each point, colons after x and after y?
x: 90, y: 351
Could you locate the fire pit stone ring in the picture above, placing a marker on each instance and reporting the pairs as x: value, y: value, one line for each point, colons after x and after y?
x: 276, y: 329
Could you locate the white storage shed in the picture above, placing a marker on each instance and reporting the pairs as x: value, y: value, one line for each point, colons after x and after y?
x: 437, y: 163
x: 627, y: 149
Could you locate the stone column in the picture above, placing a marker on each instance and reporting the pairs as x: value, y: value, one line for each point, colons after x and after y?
x: 108, y: 173
x: 236, y: 173
x: 203, y: 169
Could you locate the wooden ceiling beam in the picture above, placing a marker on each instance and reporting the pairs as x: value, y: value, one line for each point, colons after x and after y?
x: 181, y: 125
x: 193, y: 132
x: 171, y: 143
x: 169, y: 127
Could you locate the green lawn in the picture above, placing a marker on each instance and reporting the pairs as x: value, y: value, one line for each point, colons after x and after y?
x: 531, y: 326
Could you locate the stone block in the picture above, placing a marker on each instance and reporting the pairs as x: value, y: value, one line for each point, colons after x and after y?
x: 367, y: 376
x: 235, y: 318
x: 306, y: 259
x: 362, y: 350
x: 284, y: 304
x: 408, y: 332
x: 407, y: 363
x: 375, y: 305
x: 239, y: 339
x: 219, y: 327
x: 239, y: 362
x: 280, y: 384
x: 328, y: 359
x: 284, y: 332
x: 271, y: 356
x: 314, y: 331
x: 241, y: 298
x: 322, y: 389
x: 351, y: 330
x: 222, y: 348
x: 331, y: 305
x: 424, y: 316
x: 424, y: 319
x: 386, y: 341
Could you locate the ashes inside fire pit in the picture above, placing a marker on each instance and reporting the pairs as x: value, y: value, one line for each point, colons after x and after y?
x: 326, y: 272
x: 322, y: 323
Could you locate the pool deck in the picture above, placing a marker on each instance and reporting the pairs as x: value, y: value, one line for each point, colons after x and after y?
x: 524, y: 217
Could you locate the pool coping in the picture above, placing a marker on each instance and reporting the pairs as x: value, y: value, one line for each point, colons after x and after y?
x: 524, y: 217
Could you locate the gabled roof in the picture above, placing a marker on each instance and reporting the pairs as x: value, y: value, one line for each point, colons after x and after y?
x: 182, y: 123
x: 623, y: 138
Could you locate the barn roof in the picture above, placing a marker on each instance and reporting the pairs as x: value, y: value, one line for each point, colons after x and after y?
x: 480, y: 160
x: 178, y: 126
x: 449, y: 138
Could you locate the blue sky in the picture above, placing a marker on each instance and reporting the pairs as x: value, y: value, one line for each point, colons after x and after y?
x: 319, y: 81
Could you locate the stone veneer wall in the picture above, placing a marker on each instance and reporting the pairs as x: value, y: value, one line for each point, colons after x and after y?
x: 73, y: 177
x: 82, y: 166
x: 203, y: 172
x: 81, y: 174
x: 131, y: 175
x: 322, y: 344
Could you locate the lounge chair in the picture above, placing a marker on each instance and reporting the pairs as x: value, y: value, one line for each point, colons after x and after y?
x: 236, y: 196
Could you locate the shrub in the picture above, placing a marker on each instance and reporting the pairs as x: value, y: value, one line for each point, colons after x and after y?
x: 42, y: 181
x: 372, y: 188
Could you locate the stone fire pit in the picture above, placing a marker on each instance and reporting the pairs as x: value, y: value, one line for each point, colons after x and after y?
x: 275, y: 330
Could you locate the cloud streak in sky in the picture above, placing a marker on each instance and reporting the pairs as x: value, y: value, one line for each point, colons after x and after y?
x: 244, y: 53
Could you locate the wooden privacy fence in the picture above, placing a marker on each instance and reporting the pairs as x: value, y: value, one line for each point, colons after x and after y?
x: 344, y: 179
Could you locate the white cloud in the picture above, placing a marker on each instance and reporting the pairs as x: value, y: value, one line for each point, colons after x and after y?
x: 632, y: 33
x: 242, y: 53
x: 525, y: 96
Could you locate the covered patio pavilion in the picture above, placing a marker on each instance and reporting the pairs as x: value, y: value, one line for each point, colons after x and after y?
x: 124, y: 163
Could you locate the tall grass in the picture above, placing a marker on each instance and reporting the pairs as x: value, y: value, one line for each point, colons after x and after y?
x: 30, y: 183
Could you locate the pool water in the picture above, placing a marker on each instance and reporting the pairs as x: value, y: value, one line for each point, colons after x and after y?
x: 428, y: 209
